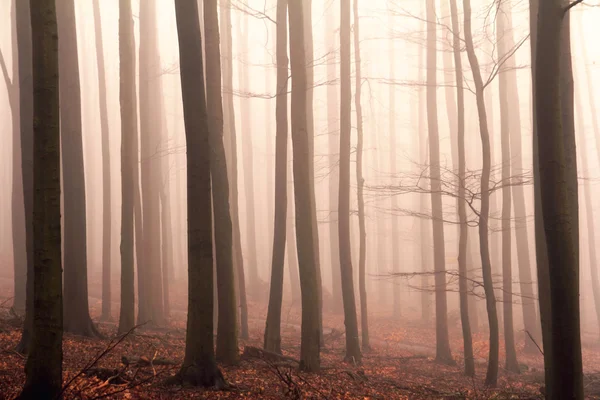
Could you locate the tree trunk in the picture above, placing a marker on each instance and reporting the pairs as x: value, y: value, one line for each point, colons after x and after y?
x: 129, y: 132
x: 462, y: 212
x: 512, y: 364
x: 272, y: 340
x: 558, y: 184
x: 362, y: 259
x: 307, y: 253
x: 350, y: 320
x: 443, y: 353
x: 231, y: 148
x: 24, y: 58
x: 227, y: 344
x: 333, y: 138
x: 106, y: 189
x: 151, y: 298
x: 491, y: 378
x: 199, y: 366
x: 291, y: 248
x: 44, y: 364
x: 76, y: 317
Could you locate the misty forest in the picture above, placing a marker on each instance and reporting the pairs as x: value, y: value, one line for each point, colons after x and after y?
x: 303, y: 199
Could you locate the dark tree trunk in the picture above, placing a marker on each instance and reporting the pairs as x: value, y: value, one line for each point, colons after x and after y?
x: 272, y: 341
x: 512, y: 364
x: 558, y: 184
x: 77, y: 315
x: 462, y: 212
x: 350, y: 320
x: 231, y: 149
x: 291, y: 248
x: 199, y: 365
x: 24, y: 58
x: 227, y: 344
x: 106, y: 197
x: 307, y: 253
x: 443, y: 353
x: 151, y: 304
x: 44, y: 364
x: 362, y: 258
x: 129, y: 132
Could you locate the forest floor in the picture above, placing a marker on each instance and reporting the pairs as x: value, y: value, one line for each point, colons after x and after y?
x: 400, y: 365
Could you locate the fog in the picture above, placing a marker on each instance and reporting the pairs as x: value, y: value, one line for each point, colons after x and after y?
x: 397, y: 193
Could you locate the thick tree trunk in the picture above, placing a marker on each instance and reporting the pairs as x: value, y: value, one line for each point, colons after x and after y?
x: 307, y: 252
x: 491, y: 378
x: 272, y: 340
x: 230, y: 141
x: 362, y: 229
x: 44, y: 364
x: 350, y: 320
x: 512, y: 364
x: 151, y: 298
x: 199, y: 366
x: 106, y: 189
x: 443, y: 353
x: 227, y: 344
x: 77, y: 317
x: 462, y: 212
x: 129, y: 132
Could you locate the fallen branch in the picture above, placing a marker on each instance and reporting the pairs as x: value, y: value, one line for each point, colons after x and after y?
x: 255, y: 352
x: 145, y: 361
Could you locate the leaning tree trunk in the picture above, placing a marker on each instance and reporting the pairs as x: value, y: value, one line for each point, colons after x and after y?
x: 491, y: 378
x: 462, y: 212
x: 272, y: 340
x: 227, y: 344
x: 512, y: 364
x: 77, y: 316
x: 443, y: 353
x: 307, y: 252
x: 106, y: 208
x: 129, y: 132
x: 360, y: 181
x: 231, y: 150
x: 199, y: 367
x: 350, y: 320
x: 558, y: 184
x: 44, y: 364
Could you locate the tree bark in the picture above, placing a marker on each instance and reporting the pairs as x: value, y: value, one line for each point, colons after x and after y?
x: 272, y: 339
x: 307, y: 253
x: 129, y: 132
x: 199, y: 366
x: 106, y: 189
x: 491, y: 378
x: 44, y: 364
x: 76, y: 316
x: 443, y: 353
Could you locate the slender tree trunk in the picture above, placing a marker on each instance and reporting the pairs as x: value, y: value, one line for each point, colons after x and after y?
x: 491, y: 378
x: 333, y: 137
x: 106, y: 189
x: 44, y: 364
x: 350, y: 320
x: 557, y: 173
x: 291, y: 248
x: 512, y: 364
x: 199, y: 366
x: 307, y: 253
x: 129, y: 132
x: 543, y: 272
x: 76, y: 317
x: 362, y: 258
x: 230, y: 140
x: 24, y: 58
x: 443, y: 353
x: 227, y: 344
x: 462, y: 212
x: 272, y: 340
